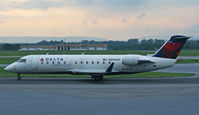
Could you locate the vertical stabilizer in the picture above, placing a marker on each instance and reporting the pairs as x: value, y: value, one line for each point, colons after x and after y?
x: 172, y: 47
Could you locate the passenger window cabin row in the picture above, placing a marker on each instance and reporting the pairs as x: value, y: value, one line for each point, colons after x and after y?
x: 92, y: 62
x: 87, y: 62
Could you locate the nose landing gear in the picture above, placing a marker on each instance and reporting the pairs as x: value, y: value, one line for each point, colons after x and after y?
x: 18, y: 76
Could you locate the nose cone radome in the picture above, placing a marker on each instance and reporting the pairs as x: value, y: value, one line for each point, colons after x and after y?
x: 10, y: 68
x: 7, y: 68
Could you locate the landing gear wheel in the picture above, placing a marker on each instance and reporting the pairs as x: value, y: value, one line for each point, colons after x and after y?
x: 18, y: 76
x: 98, y: 77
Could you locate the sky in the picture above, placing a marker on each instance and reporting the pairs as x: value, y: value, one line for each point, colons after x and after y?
x: 110, y: 19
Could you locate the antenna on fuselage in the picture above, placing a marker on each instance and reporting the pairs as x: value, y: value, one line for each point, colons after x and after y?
x: 47, y: 53
x: 83, y: 53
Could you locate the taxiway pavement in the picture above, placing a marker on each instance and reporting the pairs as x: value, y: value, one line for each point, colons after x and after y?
x: 183, y: 68
x: 118, y: 96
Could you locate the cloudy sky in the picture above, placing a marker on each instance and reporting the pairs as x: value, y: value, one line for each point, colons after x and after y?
x: 111, y: 19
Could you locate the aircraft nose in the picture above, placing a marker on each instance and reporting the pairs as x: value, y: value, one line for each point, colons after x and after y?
x: 9, y: 68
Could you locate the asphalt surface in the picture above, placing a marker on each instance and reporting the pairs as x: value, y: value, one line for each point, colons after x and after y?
x: 112, y: 96
x: 183, y: 68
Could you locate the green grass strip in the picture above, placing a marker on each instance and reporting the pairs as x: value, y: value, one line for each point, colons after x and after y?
x: 112, y: 52
x: 4, y: 73
x: 8, y: 60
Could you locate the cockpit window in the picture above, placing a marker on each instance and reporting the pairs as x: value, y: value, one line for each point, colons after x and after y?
x: 22, y: 60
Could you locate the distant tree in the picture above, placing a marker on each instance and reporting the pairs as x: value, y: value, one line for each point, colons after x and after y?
x: 11, y: 46
x: 133, y: 41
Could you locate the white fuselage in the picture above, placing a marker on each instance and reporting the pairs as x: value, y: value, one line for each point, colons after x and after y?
x: 86, y: 64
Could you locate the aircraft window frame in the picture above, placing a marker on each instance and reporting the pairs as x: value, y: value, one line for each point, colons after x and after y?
x: 81, y: 62
x: 98, y: 62
x: 103, y: 62
x: 93, y: 62
x: 64, y: 62
x: 22, y: 60
x: 86, y: 62
x: 75, y: 62
x: 47, y: 62
x: 53, y: 62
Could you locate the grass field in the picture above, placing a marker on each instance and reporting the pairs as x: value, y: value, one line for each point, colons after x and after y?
x: 189, y: 53
x: 23, y: 53
x: 8, y: 60
x: 4, y: 73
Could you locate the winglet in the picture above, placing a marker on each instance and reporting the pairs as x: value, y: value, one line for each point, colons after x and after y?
x: 110, y: 68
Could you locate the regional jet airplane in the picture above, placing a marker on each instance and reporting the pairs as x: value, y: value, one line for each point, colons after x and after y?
x: 99, y: 65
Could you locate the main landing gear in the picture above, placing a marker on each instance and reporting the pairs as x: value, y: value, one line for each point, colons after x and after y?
x: 18, y: 76
x: 97, y: 77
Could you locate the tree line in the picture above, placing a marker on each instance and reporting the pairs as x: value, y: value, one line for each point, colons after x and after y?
x: 136, y: 44
x: 131, y: 44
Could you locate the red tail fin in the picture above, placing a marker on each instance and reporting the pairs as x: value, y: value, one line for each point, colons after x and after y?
x: 172, y: 48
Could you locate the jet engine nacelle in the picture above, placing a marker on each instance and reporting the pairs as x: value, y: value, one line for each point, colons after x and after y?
x: 130, y: 60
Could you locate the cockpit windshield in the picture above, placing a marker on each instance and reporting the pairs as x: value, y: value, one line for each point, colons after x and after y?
x: 22, y: 60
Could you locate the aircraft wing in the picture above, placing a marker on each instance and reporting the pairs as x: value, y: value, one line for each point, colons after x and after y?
x: 94, y: 71
x: 90, y: 71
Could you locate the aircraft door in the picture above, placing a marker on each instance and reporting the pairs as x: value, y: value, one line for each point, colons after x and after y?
x: 68, y: 64
x: 35, y: 62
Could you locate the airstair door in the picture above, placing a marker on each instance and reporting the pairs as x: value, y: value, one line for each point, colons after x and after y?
x: 35, y: 62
